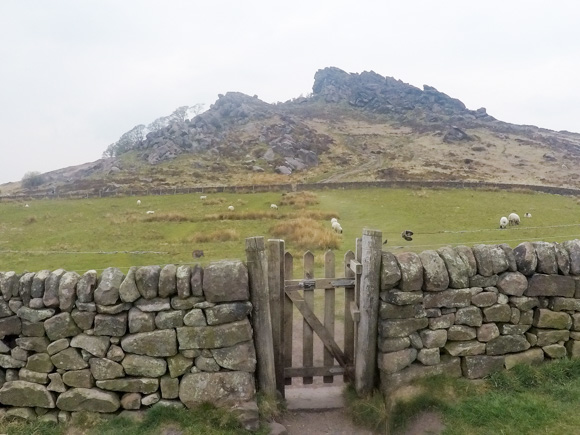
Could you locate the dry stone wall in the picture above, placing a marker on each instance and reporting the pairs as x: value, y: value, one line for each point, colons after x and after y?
x: 472, y: 311
x: 174, y: 335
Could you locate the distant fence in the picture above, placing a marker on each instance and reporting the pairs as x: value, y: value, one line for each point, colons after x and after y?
x: 289, y: 187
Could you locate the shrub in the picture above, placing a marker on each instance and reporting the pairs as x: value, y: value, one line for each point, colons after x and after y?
x: 32, y: 179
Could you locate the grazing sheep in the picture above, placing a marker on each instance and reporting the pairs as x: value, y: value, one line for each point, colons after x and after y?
x: 407, y: 235
x: 197, y: 253
x: 336, y: 227
x: 528, y: 215
x: 203, y: 197
x: 503, y: 222
x: 513, y: 219
x: 333, y: 220
x: 150, y: 212
x: 274, y: 206
x: 26, y: 205
x: 138, y: 202
x: 231, y: 208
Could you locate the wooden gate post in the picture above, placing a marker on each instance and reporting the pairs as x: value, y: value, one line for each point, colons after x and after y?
x: 259, y: 296
x: 276, y: 286
x: 366, y: 350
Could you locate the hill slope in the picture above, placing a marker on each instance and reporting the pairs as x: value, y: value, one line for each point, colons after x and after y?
x: 353, y: 127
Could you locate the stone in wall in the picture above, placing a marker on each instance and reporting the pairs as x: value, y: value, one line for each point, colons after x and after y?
x: 107, y: 292
x: 67, y: 291
x: 25, y: 287
x: 551, y: 285
x: 551, y: 319
x: 131, y: 385
x: 197, y: 280
x: 86, y: 286
x: 226, y: 281
x: 477, y: 367
x: 227, y: 313
x: 168, y: 281
x: 27, y: 394
x: 483, y: 257
x: 402, y: 327
x: 223, y: 388
x: 212, y: 337
x: 183, y: 281
x: 147, y: 280
x: 453, y: 298
x: 510, y: 257
x: 84, y: 399
x: 546, y: 254
x: 435, y: 275
x: 573, y: 249
x: 468, y: 258
x: 456, y: 268
x: 9, y: 284
x: 411, y: 271
x: 128, y: 291
x: 507, y: 344
x: 155, y: 343
x: 526, y: 258
x: 50, y: 296
x: 390, y: 272
x: 562, y: 259
x: 398, y: 297
x: 512, y: 283
x: 396, y: 361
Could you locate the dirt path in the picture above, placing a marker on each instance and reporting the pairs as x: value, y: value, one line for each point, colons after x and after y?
x: 334, y: 422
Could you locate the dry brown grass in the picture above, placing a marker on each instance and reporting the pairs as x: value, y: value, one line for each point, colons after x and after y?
x: 299, y: 199
x: 30, y: 220
x: 306, y: 233
x: 240, y: 216
x: 213, y: 201
x: 167, y: 217
x: 215, y: 236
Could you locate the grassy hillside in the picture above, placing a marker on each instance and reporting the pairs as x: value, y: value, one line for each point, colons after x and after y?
x: 99, y: 233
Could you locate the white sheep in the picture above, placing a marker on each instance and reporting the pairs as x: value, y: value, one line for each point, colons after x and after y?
x: 503, y: 222
x: 513, y: 219
x: 333, y: 220
x: 528, y: 215
x: 203, y: 197
x: 336, y: 227
x: 150, y: 212
x: 26, y: 206
x: 138, y: 202
x: 274, y: 206
x: 231, y: 208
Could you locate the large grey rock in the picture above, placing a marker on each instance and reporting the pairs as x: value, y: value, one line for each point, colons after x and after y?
x: 34, y: 316
x: 67, y: 293
x: 240, y: 357
x: 61, y: 326
x: 39, y: 362
x: 86, y: 286
x: 429, y: 357
x: 56, y: 383
x: 168, y: 281
x: 524, y: 303
x: 484, y: 299
x: 32, y: 329
x: 226, y: 281
x: 476, y: 367
x: 397, y: 297
x: 545, y: 337
x: 562, y: 259
x: 96, y: 345
x: 461, y: 333
x: 390, y: 272
x: 153, y: 304
x: 9, y: 284
x: 442, y: 322
x: 396, y: 361
x: 84, y: 399
x: 401, y: 327
x: 573, y: 249
x: 227, y: 313
x: 128, y: 291
x: 140, y: 321
x: 507, y: 344
x: 183, y: 281
x: 79, y: 378
x: 433, y: 339
x: 435, y: 275
x: 185, y: 304
x: 69, y: 359
x: 83, y: 319
x: 223, y: 388
x: 156, y: 343
x: 131, y: 401
x: 111, y: 325
x: 115, y: 353
x: 206, y: 364
x: 564, y: 304
x: 394, y: 344
x: 468, y: 258
x: 470, y: 316
x: 526, y: 258
x: 487, y: 332
x: 147, y: 279
x: 411, y: 271
x: 130, y: 385
x: 27, y: 394
x: 465, y: 348
x: 555, y: 351
x: 458, y: 270
x: 453, y: 298
x: 50, y: 297
x: 10, y: 326
x: 499, y: 259
x: 146, y: 366
x: 196, y: 280
x: 37, y: 289
x: 512, y: 283
x: 103, y: 368
x: 390, y: 311
x: 546, y: 255
x: 551, y: 319
x: 510, y: 257
x: 169, y: 387
x: 34, y: 344
x: 483, y: 257
x: 497, y: 313
x: 551, y: 285
x: 483, y: 281
x: 107, y: 292
x: 211, y: 337
x: 25, y: 287
x: 8, y: 362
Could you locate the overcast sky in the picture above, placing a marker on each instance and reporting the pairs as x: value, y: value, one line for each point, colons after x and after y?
x: 75, y: 75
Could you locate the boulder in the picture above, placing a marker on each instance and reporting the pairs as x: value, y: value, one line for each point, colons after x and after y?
x: 111, y: 325
x: 37, y: 288
x: 562, y: 259
x: 131, y: 385
x: 512, y: 283
x: 551, y: 285
x: 396, y: 361
x: 544, y: 318
x: 240, y: 357
x: 453, y: 298
x: 226, y: 281
x: 50, y: 296
x: 211, y: 337
x: 573, y: 249
x: 61, y: 326
x: 26, y: 394
x: 477, y: 367
x: 526, y: 258
x: 95, y: 345
x: 401, y: 327
x: 155, y: 343
x: 67, y: 294
x: 85, y: 399
x: 86, y: 286
x: 103, y: 368
x: 222, y: 388
x: 227, y: 313
x: 546, y: 255
x: 507, y: 344
x: 183, y: 281
x: 468, y: 258
x: 146, y: 366
x: 483, y: 257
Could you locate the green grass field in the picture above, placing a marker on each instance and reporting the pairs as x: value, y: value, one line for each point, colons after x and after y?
x: 98, y: 233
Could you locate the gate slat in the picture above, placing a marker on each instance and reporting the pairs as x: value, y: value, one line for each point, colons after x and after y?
x: 348, y: 320
x: 329, y: 304
x: 275, y: 283
x: 307, y: 335
x: 288, y: 316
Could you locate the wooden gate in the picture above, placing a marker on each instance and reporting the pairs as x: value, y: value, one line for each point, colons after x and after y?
x: 291, y: 297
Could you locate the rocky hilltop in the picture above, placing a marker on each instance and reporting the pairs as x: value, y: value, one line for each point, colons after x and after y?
x: 352, y: 127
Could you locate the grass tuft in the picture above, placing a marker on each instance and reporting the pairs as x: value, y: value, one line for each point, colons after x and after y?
x: 167, y: 217
x: 30, y: 220
x: 306, y: 233
x: 224, y: 235
x: 370, y: 412
x: 299, y: 199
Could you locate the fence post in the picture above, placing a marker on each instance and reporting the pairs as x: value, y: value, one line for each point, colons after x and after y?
x: 366, y: 351
x: 259, y: 295
x: 276, y: 286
